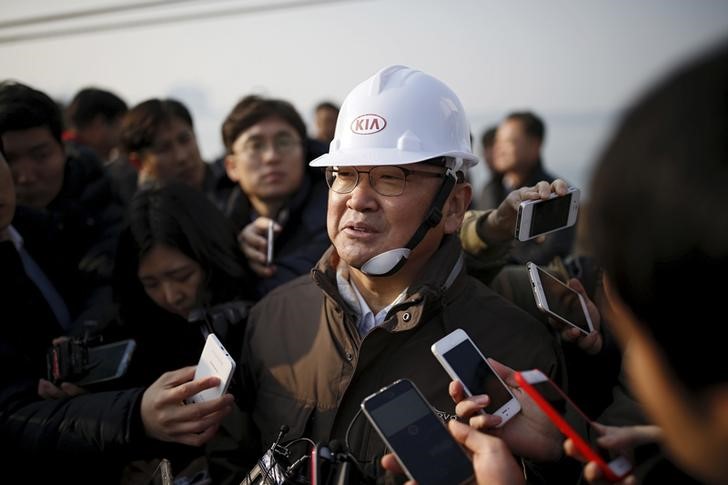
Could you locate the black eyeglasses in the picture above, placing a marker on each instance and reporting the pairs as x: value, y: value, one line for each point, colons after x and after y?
x: 386, y: 180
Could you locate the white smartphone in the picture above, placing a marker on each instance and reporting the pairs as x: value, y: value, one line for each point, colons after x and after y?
x: 538, y: 217
x: 107, y: 362
x: 571, y: 421
x: 269, y: 248
x: 464, y: 362
x: 558, y: 300
x: 214, y: 361
x: 423, y: 446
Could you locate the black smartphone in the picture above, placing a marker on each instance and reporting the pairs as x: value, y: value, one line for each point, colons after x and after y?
x: 419, y: 439
x: 538, y: 217
x: 107, y: 362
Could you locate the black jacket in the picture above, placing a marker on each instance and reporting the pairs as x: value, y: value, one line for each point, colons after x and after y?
x: 74, y: 238
x: 81, y: 440
x: 304, y: 237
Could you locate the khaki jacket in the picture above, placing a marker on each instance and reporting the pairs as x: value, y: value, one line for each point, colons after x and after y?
x: 304, y: 364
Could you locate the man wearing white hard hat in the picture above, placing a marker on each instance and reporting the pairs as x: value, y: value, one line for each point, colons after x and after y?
x: 393, y: 281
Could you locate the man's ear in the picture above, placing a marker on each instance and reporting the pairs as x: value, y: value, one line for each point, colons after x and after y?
x: 230, y: 167
x: 455, y: 207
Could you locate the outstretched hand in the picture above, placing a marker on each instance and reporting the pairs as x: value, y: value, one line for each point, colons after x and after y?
x: 500, y: 225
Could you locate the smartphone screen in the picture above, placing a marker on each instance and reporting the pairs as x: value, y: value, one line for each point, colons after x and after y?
x: 476, y: 375
x: 563, y: 301
x: 423, y: 445
x: 107, y: 362
x: 550, y: 214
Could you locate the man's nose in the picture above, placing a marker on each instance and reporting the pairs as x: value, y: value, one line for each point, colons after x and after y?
x: 363, y: 197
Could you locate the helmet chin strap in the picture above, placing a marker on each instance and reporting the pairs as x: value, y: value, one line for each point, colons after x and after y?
x: 389, y: 262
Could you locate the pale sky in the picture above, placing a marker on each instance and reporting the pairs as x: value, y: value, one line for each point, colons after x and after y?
x: 576, y: 63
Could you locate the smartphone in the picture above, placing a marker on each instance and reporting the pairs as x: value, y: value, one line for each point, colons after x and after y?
x: 571, y: 421
x: 107, y: 362
x: 214, y: 361
x: 559, y: 301
x: 464, y: 362
x: 538, y: 217
x: 418, y: 438
x: 269, y: 250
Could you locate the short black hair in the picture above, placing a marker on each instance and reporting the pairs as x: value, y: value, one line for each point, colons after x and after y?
x: 327, y: 105
x: 487, y: 139
x: 533, y: 125
x: 140, y: 125
x: 23, y: 108
x: 254, y: 109
x: 89, y: 103
x: 657, y: 216
x: 178, y: 216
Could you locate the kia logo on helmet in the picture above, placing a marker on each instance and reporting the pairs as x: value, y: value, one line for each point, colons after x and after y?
x: 368, y: 124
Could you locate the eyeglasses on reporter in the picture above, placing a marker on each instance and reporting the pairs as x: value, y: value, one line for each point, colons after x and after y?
x: 255, y: 148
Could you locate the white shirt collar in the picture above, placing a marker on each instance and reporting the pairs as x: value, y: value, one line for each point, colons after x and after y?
x: 352, y: 296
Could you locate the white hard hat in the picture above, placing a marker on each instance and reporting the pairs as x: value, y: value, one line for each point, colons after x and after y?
x: 400, y: 116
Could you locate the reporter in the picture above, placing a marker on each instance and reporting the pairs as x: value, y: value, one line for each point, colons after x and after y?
x: 658, y: 239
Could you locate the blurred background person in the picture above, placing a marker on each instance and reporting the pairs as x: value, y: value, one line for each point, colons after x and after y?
x: 63, y: 202
x: 268, y: 151
x: 94, y: 117
x: 94, y: 122
x: 158, y: 136
x: 518, y: 162
x: 325, y: 116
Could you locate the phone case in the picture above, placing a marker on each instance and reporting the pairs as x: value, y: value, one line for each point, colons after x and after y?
x: 615, y: 470
x: 214, y: 361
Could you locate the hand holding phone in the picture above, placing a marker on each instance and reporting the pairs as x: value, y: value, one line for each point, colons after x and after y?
x: 214, y: 361
x: 558, y: 300
x: 571, y: 421
x: 543, y: 216
x: 417, y: 437
x: 464, y: 362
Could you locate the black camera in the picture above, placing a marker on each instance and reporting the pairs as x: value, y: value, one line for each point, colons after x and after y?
x: 67, y: 360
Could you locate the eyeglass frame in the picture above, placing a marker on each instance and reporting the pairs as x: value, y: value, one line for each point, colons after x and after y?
x: 406, y: 171
x: 268, y: 144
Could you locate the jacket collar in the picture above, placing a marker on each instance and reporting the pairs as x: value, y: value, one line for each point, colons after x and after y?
x: 441, y: 279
